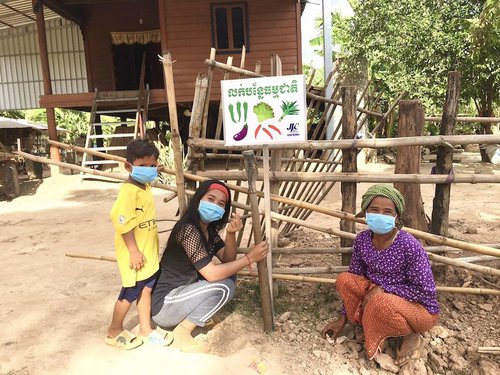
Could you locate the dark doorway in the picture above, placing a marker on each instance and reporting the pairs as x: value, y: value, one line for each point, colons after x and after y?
x: 127, y: 60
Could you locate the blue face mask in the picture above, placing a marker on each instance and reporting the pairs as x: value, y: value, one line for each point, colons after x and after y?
x: 144, y: 175
x: 380, y: 224
x: 210, y: 212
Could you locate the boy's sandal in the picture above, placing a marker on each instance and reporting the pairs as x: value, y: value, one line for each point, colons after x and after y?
x: 125, y: 340
x: 159, y: 337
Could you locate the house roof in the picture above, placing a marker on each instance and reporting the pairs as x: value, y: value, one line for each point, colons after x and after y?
x: 9, y: 123
x: 15, y: 13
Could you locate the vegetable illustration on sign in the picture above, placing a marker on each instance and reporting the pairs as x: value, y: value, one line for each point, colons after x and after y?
x: 244, y: 131
x: 289, y: 109
x: 260, y: 111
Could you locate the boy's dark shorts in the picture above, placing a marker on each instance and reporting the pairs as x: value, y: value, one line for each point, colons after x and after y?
x: 132, y: 293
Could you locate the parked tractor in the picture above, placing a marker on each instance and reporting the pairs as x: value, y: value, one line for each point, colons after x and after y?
x: 9, y: 176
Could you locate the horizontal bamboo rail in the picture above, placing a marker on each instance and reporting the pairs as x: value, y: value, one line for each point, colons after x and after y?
x: 466, y: 119
x: 470, y: 266
x: 348, y: 250
x: 430, y: 140
x: 199, y: 155
x: 309, y: 270
x: 446, y: 289
x: 488, y: 350
x: 354, y: 177
x: 477, y: 248
x: 277, y: 276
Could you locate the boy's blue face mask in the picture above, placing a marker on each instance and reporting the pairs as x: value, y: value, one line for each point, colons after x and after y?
x: 144, y: 175
x: 380, y: 224
x: 210, y: 212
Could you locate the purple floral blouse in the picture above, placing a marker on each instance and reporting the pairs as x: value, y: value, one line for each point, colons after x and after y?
x: 402, y: 269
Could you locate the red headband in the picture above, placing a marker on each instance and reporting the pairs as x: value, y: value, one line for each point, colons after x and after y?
x: 219, y: 187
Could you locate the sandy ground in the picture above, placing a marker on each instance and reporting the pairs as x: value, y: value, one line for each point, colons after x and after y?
x: 55, y: 309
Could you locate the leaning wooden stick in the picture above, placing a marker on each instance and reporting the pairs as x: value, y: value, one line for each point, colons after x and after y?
x: 262, y: 266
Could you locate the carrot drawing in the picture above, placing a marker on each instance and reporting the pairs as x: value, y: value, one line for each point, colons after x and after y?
x: 275, y: 129
x: 267, y: 132
x: 257, y: 130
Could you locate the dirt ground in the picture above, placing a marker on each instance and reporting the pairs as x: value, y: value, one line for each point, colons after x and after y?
x: 55, y: 309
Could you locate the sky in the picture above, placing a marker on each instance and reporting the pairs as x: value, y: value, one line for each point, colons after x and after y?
x: 314, y: 9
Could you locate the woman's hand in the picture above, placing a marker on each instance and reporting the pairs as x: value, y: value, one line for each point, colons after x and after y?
x: 136, y: 260
x: 258, y: 252
x: 333, y: 328
x: 373, y: 292
x: 235, y: 225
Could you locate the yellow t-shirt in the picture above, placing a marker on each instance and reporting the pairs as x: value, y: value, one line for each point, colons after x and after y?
x: 134, y: 209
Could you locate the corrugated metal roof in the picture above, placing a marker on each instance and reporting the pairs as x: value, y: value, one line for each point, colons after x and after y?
x: 14, y: 13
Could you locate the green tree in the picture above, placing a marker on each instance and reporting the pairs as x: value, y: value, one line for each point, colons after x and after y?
x: 412, y: 44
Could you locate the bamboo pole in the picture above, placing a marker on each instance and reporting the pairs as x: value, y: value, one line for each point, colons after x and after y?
x: 393, y: 105
x: 264, y: 272
x: 447, y: 289
x: 337, y: 102
x: 293, y: 159
x: 232, y: 69
x: 488, y: 350
x: 310, y: 270
x: 470, y: 266
x: 430, y: 140
x: 466, y: 119
x: 482, y: 249
x: 354, y: 177
x: 348, y: 250
x: 174, y: 127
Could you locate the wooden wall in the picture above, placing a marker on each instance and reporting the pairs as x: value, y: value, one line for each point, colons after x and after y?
x: 274, y: 27
x: 105, y: 18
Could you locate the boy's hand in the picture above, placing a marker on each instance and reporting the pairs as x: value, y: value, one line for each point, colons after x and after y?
x: 235, y: 224
x: 136, y: 260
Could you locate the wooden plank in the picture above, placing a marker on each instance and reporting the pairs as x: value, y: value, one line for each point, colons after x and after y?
x: 411, y: 123
x: 349, y: 164
x: 176, y: 139
x: 444, y: 162
x: 262, y: 266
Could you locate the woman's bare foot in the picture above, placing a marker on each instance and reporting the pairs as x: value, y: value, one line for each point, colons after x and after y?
x: 410, y: 348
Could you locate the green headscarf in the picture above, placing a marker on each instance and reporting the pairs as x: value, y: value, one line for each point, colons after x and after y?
x: 387, y: 191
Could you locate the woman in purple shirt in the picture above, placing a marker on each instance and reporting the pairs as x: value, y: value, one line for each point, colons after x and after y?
x: 389, y: 289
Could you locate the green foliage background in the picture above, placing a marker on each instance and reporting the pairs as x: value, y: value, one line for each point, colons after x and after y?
x: 411, y: 45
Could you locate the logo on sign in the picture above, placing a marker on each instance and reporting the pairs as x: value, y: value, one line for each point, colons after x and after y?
x: 293, y: 129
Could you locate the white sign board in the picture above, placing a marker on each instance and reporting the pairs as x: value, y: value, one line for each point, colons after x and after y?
x: 268, y: 110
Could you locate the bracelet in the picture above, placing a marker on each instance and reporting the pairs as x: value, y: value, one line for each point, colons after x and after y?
x: 249, y: 262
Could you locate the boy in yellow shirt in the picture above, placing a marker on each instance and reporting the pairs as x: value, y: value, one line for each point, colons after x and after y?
x: 136, y: 246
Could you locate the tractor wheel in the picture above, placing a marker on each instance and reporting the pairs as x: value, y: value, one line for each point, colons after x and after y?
x: 10, y: 179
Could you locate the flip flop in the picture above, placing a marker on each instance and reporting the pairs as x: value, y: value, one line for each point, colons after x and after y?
x: 125, y: 340
x: 158, y: 337
x: 402, y: 358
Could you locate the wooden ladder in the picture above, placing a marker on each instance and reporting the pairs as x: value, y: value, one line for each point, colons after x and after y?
x: 117, y: 104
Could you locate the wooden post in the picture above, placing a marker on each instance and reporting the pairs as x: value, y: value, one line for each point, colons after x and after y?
x: 276, y: 157
x: 444, y: 163
x: 348, y: 189
x: 174, y: 127
x: 411, y: 123
x: 162, y: 16
x: 264, y: 274
x: 47, y: 86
